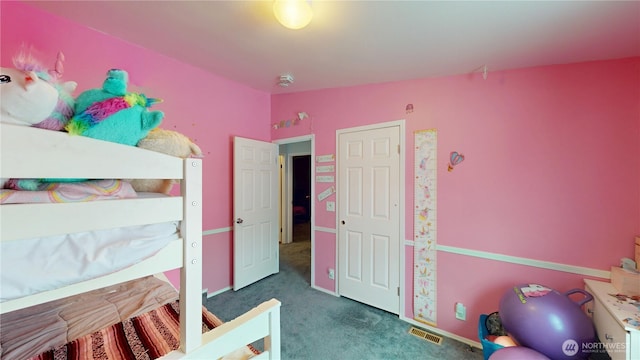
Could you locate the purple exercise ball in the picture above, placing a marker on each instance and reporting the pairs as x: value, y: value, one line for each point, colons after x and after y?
x: 547, y: 321
x: 517, y: 353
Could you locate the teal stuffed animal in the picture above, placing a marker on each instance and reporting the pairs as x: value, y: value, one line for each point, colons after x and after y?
x: 112, y: 113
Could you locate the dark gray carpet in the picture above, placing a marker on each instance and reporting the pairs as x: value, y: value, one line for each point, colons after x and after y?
x: 319, y: 326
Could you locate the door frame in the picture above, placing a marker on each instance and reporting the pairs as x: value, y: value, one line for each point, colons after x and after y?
x: 286, y: 196
x: 402, y: 166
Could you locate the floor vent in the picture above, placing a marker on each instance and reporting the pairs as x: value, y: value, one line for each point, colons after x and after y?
x: 426, y: 335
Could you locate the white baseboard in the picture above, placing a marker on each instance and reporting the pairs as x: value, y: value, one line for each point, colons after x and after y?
x: 219, y: 291
x: 325, y: 291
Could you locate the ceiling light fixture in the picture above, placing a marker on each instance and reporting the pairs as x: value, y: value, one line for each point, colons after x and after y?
x: 293, y: 14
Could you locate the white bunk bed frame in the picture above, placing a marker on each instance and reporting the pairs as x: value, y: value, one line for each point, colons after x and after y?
x: 28, y: 152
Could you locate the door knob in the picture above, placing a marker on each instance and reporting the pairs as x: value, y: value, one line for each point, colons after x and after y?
x: 239, y: 221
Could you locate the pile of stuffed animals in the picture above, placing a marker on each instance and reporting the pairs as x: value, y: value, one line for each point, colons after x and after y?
x: 31, y: 95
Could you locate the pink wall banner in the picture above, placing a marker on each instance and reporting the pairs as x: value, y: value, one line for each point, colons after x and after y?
x: 424, y: 277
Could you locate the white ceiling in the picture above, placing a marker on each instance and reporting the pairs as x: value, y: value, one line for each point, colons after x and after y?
x: 361, y: 42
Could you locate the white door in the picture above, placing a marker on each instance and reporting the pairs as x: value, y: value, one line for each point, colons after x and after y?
x: 369, y: 217
x: 255, y: 207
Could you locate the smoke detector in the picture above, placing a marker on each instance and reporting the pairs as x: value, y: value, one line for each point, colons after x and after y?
x: 285, y: 80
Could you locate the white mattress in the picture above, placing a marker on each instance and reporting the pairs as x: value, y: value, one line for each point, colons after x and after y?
x: 34, y: 265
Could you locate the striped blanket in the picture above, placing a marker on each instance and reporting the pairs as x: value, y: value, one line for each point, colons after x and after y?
x: 144, y: 337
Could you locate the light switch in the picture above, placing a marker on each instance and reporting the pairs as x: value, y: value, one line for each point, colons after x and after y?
x: 331, y: 206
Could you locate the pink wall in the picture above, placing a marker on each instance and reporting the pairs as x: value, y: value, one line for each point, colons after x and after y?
x: 208, y: 108
x: 552, y: 171
x: 325, y: 249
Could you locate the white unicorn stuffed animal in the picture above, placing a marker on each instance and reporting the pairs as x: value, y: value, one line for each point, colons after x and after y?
x: 30, y: 95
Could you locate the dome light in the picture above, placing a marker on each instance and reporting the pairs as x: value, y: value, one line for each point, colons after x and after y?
x: 293, y: 14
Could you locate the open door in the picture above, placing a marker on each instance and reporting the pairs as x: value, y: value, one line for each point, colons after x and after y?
x: 255, y: 208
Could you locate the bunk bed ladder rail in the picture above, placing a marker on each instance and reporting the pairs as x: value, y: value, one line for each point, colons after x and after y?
x: 260, y: 322
x: 191, y: 271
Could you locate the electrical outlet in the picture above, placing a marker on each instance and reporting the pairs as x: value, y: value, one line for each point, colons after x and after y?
x: 461, y: 312
x: 332, y: 274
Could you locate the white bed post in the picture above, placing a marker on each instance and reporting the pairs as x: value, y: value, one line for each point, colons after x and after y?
x: 272, y: 342
x: 191, y: 272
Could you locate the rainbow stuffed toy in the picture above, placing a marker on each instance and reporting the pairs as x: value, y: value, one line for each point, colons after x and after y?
x: 112, y: 113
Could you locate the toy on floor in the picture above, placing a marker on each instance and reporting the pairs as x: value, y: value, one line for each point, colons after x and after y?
x: 167, y: 142
x: 31, y: 95
x: 494, y: 325
x: 547, y: 321
x: 113, y: 114
x: 492, y: 334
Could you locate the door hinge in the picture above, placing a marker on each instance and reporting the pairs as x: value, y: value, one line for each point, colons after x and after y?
x: 398, y: 149
x: 398, y: 290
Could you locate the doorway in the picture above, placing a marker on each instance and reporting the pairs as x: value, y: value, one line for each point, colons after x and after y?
x: 301, y: 199
x: 296, y: 216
